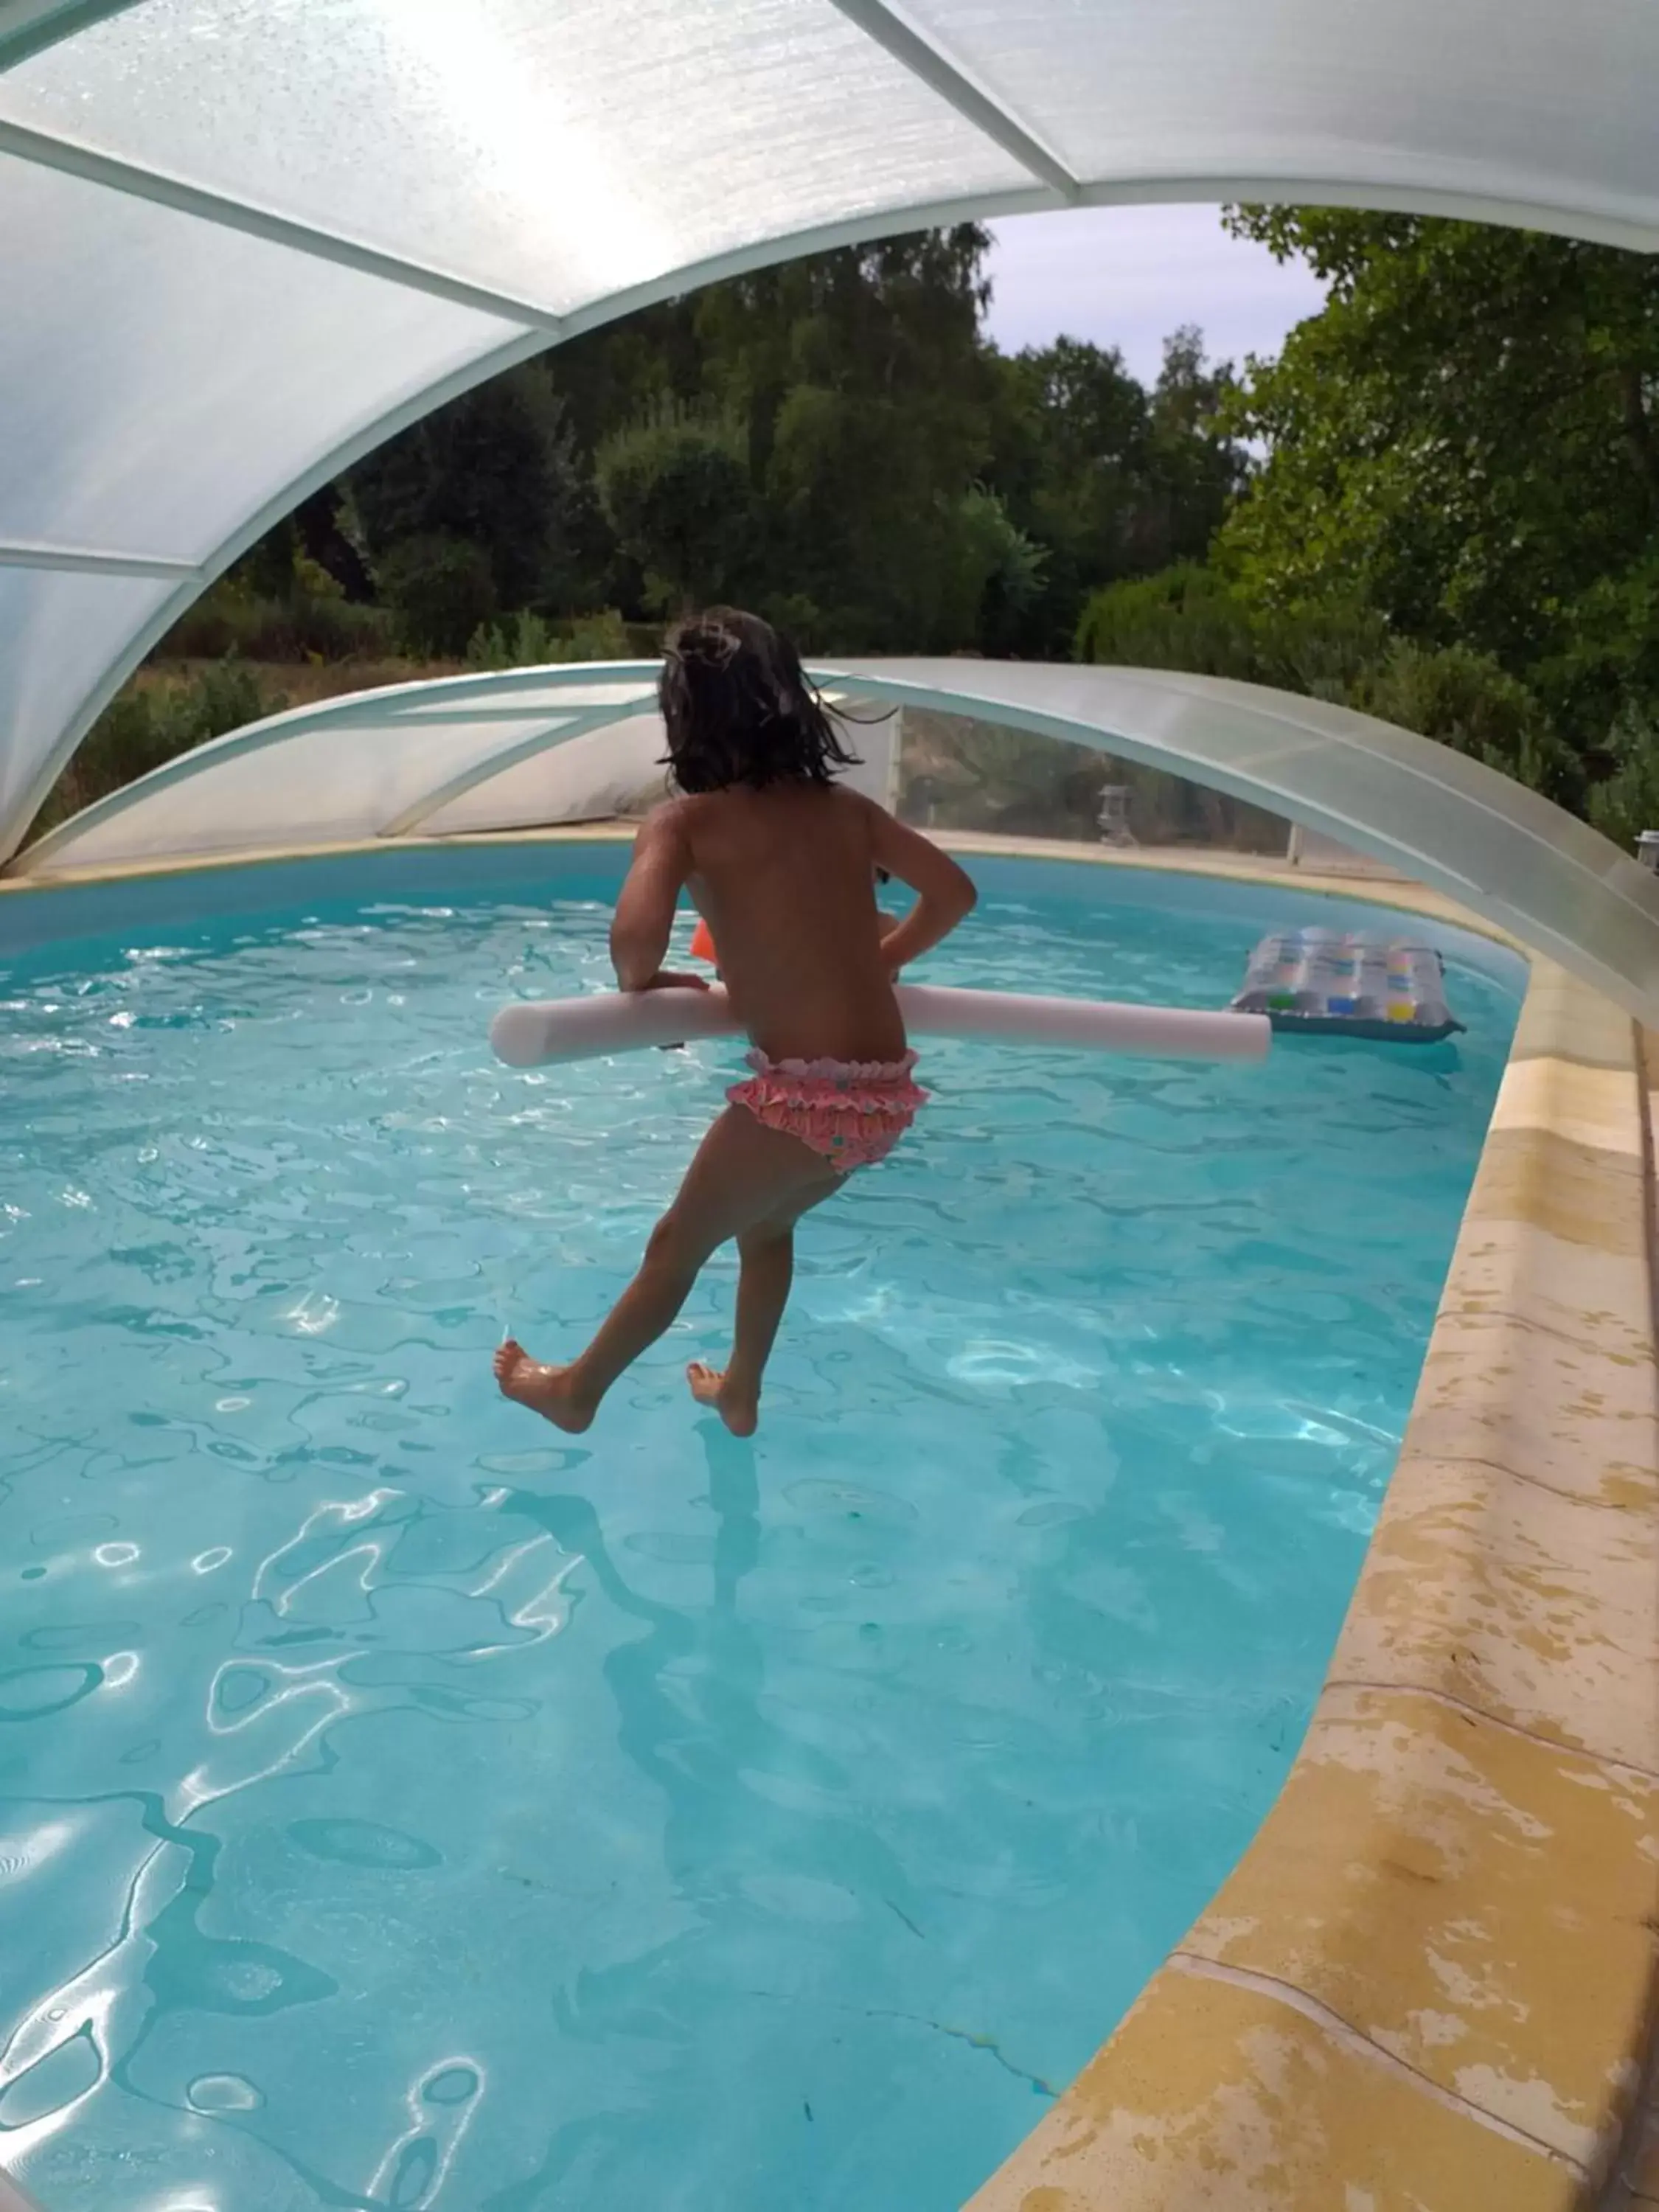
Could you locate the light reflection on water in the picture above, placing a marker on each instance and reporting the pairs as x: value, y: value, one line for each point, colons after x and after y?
x: 403, y: 1806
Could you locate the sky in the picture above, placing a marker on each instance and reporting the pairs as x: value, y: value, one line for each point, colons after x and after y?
x: 1128, y: 276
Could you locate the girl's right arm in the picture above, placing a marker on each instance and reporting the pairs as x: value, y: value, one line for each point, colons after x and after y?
x: 944, y: 892
x: 645, y: 910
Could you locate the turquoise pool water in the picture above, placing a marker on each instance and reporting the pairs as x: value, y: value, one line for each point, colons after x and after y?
x: 403, y: 1806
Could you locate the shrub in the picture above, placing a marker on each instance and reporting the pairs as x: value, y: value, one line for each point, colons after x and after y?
x: 1183, y: 617
x: 1466, y: 699
x: 301, y: 626
x: 147, y: 725
x: 1627, y: 802
x: 440, y: 591
x: 675, y: 487
x: 520, y: 640
x: 600, y: 636
x: 530, y: 641
x: 1189, y: 618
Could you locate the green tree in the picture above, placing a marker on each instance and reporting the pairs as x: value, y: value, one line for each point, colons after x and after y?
x: 1110, y: 480
x: 675, y: 487
x: 1071, y: 450
x: 865, y: 392
x: 1463, y: 440
x: 1195, y: 467
x: 990, y: 574
x: 1627, y: 802
x: 441, y: 590
x: 496, y: 469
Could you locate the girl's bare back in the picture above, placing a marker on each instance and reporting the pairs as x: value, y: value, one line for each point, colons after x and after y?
x: 785, y: 880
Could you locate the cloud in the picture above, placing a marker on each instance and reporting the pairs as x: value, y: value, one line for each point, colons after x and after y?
x: 1128, y: 276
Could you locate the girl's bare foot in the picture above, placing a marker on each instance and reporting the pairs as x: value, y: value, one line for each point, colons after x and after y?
x: 740, y: 1410
x: 545, y: 1390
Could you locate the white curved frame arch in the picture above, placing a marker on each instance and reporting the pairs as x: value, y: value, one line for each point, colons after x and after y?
x: 1488, y: 842
x: 27, y: 27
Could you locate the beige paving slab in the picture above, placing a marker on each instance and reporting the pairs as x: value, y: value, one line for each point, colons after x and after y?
x: 1596, y: 1299
x: 1641, y: 2166
x: 1542, y: 1405
x: 1212, y: 2097
x: 1581, y: 1193
x: 1479, y: 1904
x: 1590, y: 1103
x: 1561, y: 1018
x: 1537, y: 1610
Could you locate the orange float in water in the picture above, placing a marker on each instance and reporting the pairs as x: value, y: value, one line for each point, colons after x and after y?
x: 702, y: 944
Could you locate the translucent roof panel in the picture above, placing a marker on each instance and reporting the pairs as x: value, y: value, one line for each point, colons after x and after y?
x: 600, y: 145
x: 1451, y: 822
x: 371, y: 764
x: 587, y: 778
x: 134, y: 422
x: 1407, y: 97
x: 58, y: 631
x: 584, y: 779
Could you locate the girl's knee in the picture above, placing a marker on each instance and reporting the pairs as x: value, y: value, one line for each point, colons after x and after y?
x: 766, y: 1236
x: 670, y: 1249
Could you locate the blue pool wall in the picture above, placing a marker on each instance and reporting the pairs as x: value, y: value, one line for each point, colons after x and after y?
x: 586, y: 867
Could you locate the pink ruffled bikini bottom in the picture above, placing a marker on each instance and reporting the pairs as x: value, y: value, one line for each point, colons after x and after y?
x: 851, y: 1111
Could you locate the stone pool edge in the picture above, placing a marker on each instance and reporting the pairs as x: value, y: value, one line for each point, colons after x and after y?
x: 1431, y: 1977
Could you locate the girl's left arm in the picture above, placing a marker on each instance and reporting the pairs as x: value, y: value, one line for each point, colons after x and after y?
x: 645, y: 911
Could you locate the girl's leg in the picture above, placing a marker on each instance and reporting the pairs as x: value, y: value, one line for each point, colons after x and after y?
x: 766, y: 1255
x: 744, y: 1174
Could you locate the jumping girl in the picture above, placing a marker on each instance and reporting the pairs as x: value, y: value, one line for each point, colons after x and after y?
x: 781, y: 862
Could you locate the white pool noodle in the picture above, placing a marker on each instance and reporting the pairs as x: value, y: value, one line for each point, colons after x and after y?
x: 534, y: 1031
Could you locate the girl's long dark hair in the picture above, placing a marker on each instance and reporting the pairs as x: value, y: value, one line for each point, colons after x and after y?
x: 741, y: 709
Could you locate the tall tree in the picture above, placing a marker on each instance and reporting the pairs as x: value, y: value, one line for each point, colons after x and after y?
x: 1071, y: 453
x: 861, y: 378
x: 674, y: 486
x: 496, y: 469
x: 1464, y: 441
x: 1197, y: 469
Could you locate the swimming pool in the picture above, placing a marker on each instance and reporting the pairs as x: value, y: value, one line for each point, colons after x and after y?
x: 405, y: 1806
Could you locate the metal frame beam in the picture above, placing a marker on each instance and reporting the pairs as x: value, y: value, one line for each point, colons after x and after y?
x: 888, y: 28
x: 47, y: 23
x: 85, y: 560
